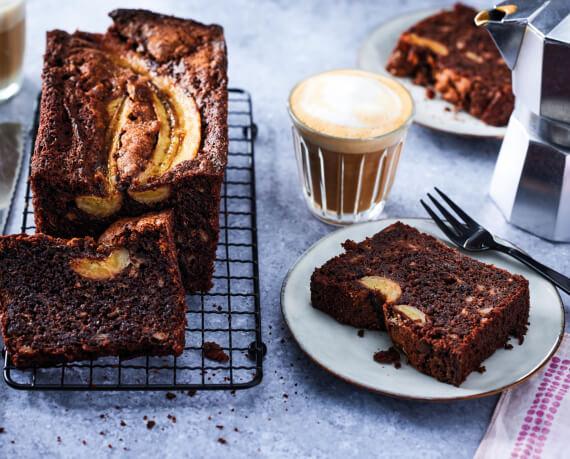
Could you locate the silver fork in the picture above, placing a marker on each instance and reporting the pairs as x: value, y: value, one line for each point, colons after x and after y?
x: 471, y: 236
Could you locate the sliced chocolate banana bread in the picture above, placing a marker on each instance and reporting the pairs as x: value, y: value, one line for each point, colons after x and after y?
x: 446, y: 311
x: 460, y: 60
x: 67, y: 300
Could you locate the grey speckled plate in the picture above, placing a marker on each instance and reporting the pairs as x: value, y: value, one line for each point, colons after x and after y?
x: 338, y: 349
x: 435, y: 113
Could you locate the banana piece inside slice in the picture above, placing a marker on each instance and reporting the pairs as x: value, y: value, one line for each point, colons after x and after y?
x: 102, y: 269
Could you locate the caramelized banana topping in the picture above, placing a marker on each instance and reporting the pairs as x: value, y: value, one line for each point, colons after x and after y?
x: 153, y: 127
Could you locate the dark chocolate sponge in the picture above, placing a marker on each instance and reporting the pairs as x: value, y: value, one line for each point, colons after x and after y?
x: 68, y: 300
x: 460, y: 59
x: 446, y: 311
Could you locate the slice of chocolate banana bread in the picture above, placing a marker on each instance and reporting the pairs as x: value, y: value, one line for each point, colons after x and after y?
x: 68, y: 300
x: 460, y: 59
x: 134, y: 121
x: 446, y: 311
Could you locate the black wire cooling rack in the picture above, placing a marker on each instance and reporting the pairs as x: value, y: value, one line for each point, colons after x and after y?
x: 228, y: 315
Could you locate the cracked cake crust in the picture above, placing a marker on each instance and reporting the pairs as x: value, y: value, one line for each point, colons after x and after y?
x: 86, y: 80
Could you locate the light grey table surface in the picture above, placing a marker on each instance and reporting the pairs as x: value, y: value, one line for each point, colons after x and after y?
x: 271, y: 46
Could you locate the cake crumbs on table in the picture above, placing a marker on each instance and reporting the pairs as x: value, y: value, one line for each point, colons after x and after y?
x: 214, y: 351
x: 123, y: 423
x: 191, y: 392
x: 170, y: 395
x: 360, y: 333
x: 219, y: 427
x: 150, y: 424
x: 222, y: 441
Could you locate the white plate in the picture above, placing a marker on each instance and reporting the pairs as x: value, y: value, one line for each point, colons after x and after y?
x: 338, y: 349
x: 430, y: 113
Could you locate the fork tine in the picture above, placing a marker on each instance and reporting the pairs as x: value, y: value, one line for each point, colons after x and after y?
x: 457, y: 209
x: 439, y: 222
x: 455, y: 224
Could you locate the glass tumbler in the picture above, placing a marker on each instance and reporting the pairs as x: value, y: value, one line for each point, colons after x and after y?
x: 12, y: 44
x: 346, y: 180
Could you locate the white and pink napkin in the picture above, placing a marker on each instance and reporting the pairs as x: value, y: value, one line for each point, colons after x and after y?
x: 532, y: 420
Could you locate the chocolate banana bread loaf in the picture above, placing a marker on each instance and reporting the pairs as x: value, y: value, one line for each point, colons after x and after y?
x: 460, y: 60
x: 446, y: 311
x: 68, y: 300
x: 133, y: 121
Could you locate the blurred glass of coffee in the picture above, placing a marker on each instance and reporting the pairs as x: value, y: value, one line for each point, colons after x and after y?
x: 12, y: 43
x: 349, y: 127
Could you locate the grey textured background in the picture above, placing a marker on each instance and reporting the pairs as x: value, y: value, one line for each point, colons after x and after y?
x: 271, y: 46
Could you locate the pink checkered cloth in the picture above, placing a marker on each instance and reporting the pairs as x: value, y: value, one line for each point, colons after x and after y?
x: 532, y: 420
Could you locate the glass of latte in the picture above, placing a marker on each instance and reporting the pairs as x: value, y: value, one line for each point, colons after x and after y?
x: 349, y: 127
x: 12, y: 42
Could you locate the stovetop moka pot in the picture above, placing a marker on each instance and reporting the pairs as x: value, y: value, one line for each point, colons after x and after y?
x: 531, y: 182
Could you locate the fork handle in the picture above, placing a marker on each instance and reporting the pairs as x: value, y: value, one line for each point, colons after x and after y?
x: 561, y: 281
